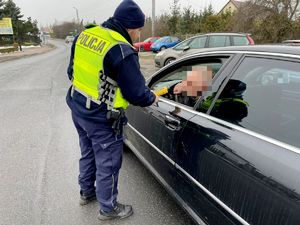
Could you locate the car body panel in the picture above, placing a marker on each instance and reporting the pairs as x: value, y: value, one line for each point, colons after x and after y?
x: 69, y: 39
x: 164, y: 42
x: 241, y: 176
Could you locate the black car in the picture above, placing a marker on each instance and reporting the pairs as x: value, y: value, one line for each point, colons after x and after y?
x: 231, y: 156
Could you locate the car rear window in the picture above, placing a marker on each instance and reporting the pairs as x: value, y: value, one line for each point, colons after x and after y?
x: 240, y: 40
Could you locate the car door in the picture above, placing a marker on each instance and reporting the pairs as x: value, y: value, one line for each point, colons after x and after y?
x: 168, y: 42
x: 153, y: 132
x: 244, y: 156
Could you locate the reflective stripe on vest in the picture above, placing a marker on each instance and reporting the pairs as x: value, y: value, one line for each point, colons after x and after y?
x: 91, y: 47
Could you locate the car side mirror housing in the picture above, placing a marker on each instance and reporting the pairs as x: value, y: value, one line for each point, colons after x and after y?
x: 186, y: 48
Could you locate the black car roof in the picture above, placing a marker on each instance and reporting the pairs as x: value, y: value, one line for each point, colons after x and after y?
x: 256, y: 48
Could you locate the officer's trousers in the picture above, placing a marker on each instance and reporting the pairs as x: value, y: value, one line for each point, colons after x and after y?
x: 101, y: 159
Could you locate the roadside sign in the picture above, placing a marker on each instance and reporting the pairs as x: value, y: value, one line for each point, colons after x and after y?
x: 6, y: 26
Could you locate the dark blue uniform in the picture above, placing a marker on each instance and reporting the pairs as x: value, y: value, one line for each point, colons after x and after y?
x: 101, y: 148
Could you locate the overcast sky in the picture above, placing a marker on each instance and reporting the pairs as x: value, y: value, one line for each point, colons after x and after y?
x: 47, y: 11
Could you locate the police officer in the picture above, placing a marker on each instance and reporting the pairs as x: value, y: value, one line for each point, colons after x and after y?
x: 106, y: 77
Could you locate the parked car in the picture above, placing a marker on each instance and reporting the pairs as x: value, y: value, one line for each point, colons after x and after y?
x: 210, y: 40
x: 231, y: 155
x: 291, y: 42
x: 164, y: 43
x: 69, y: 39
x: 145, y: 45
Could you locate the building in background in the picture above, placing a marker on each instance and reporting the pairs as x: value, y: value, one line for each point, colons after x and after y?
x: 231, y: 6
x: 45, y: 34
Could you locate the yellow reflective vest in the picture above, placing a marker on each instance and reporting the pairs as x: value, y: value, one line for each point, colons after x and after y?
x: 88, y: 77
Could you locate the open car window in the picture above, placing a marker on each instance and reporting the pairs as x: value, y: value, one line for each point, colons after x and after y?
x: 182, y: 75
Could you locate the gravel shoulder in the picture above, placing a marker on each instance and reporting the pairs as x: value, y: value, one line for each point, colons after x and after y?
x: 26, y: 52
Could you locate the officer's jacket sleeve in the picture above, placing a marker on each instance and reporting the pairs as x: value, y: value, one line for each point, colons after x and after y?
x: 130, y: 79
x: 71, y: 63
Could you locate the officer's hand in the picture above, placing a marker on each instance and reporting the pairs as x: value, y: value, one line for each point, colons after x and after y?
x: 156, y: 98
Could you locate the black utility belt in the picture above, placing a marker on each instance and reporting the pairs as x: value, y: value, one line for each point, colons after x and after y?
x: 115, y: 114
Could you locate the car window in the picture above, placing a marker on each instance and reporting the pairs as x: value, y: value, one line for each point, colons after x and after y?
x: 174, y: 39
x: 168, y: 40
x: 218, y: 41
x: 264, y: 95
x: 198, y: 42
x: 161, y: 40
x: 183, y: 75
x: 182, y: 45
x: 240, y: 40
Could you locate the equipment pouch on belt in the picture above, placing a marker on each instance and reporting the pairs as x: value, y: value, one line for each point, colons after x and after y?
x: 117, y: 118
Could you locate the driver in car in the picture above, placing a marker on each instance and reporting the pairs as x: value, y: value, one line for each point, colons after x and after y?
x: 188, y: 91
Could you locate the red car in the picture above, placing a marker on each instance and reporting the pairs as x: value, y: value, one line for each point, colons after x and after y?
x: 145, y: 45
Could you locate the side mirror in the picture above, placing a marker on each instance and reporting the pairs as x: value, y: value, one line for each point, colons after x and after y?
x: 186, y: 48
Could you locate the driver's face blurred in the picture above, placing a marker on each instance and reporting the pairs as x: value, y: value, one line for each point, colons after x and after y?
x: 198, y: 80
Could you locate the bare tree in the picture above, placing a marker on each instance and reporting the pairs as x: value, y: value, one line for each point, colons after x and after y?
x: 270, y: 21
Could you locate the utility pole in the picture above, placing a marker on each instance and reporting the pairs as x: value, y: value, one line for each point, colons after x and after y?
x: 78, y: 25
x: 153, y: 18
x: 76, y: 14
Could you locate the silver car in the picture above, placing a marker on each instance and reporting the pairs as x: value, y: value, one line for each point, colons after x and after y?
x: 69, y: 39
x: 195, y: 43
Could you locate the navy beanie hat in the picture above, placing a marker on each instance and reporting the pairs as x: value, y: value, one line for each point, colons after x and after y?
x: 130, y: 15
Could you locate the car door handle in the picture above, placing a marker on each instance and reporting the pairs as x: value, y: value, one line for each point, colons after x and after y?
x: 172, y: 123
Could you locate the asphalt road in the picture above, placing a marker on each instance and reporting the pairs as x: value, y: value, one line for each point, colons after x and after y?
x: 39, y: 154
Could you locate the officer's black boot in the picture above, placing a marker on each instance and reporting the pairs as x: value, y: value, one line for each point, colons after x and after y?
x: 84, y: 200
x: 120, y: 212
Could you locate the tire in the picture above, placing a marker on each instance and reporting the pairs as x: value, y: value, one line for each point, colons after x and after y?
x: 162, y: 48
x: 142, y: 48
x: 169, y: 60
